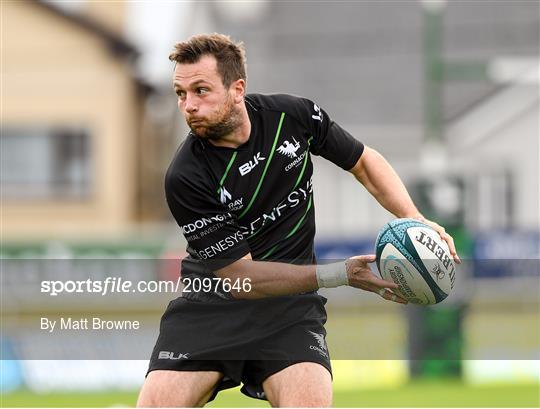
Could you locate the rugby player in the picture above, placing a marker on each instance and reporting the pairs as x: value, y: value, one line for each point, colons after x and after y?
x: 240, y: 189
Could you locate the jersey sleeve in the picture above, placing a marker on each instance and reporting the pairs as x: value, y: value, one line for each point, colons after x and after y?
x: 330, y: 140
x: 212, y: 232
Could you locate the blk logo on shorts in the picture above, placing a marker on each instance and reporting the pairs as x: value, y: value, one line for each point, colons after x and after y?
x: 172, y: 355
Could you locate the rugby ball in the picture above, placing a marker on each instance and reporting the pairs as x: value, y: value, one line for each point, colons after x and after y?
x: 413, y: 255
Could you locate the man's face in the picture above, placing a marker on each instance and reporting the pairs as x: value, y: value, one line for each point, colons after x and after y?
x: 210, y: 109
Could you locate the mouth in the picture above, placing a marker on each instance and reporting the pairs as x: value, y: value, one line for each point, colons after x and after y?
x: 195, y: 122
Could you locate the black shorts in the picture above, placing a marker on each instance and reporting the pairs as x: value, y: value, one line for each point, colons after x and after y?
x: 245, y: 340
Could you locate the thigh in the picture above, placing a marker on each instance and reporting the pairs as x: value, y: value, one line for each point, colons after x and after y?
x: 305, y: 384
x: 166, y: 388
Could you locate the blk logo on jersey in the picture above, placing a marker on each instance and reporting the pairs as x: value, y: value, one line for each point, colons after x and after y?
x: 249, y: 166
x: 289, y: 149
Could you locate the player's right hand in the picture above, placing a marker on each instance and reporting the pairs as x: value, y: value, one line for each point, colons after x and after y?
x: 361, y: 276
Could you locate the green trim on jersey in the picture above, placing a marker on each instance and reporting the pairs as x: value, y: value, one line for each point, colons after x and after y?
x: 294, y: 229
x: 231, y: 161
x: 265, y: 168
x: 295, y: 185
x: 305, y: 163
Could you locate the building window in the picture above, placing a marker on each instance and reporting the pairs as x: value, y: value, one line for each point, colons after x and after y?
x: 44, y: 163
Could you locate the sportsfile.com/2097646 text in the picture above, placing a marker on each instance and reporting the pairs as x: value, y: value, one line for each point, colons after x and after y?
x: 110, y: 285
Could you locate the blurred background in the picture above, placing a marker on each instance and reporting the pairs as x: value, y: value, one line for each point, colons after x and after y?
x: 447, y: 91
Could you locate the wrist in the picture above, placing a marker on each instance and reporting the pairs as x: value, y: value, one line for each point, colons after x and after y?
x: 332, y: 275
x: 415, y: 215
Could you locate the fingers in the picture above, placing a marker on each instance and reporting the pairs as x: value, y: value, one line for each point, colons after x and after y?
x: 357, y: 264
x: 362, y: 277
x: 450, y: 241
x: 367, y: 258
x: 446, y: 237
x: 390, y: 296
x: 362, y: 272
x: 382, y: 284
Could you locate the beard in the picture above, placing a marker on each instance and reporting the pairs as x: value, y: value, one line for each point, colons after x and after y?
x: 226, y: 120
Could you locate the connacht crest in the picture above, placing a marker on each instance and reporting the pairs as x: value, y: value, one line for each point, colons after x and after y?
x: 289, y: 149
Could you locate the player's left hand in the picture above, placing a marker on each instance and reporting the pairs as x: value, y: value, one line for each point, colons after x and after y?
x: 444, y: 235
x: 360, y: 276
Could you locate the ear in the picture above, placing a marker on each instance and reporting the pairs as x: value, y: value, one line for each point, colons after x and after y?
x: 238, y: 90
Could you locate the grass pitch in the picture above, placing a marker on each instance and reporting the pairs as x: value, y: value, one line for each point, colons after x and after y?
x: 448, y: 393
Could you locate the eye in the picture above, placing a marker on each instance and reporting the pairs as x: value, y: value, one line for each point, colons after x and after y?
x: 181, y: 94
x: 202, y: 90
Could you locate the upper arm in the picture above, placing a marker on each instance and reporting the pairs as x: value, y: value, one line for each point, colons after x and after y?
x: 375, y: 173
x: 359, y: 169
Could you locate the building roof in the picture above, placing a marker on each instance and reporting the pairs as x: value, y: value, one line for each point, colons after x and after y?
x: 119, y: 46
x: 487, y: 116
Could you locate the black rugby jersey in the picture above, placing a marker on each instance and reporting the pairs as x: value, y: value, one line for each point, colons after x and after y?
x: 258, y: 197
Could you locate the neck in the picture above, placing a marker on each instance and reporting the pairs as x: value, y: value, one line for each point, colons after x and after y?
x: 240, y: 135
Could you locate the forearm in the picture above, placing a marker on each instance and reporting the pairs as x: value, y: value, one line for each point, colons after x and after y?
x: 380, y: 179
x: 269, y: 279
x: 274, y: 279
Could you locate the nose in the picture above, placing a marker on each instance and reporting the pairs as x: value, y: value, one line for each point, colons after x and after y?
x: 189, y: 105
